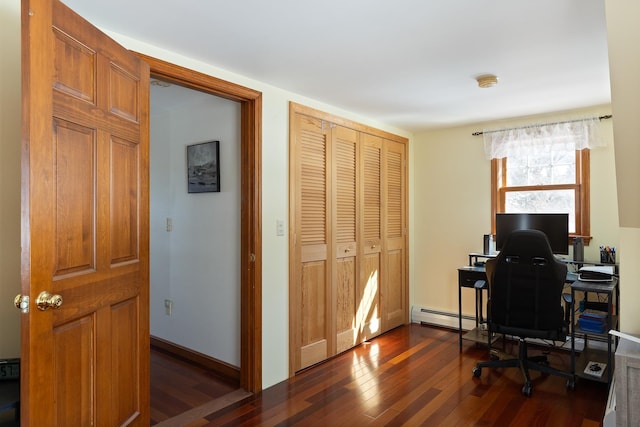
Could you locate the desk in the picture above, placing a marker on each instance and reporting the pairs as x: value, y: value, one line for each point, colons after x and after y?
x: 475, y: 276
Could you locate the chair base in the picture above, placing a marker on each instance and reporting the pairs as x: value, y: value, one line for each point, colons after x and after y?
x: 525, y: 363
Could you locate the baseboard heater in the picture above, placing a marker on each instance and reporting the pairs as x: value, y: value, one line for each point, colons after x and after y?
x: 427, y: 316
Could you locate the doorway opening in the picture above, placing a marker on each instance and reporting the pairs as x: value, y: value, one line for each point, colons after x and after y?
x: 250, y: 102
x: 194, y: 248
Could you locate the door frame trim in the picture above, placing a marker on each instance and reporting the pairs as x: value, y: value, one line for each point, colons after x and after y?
x: 250, y: 210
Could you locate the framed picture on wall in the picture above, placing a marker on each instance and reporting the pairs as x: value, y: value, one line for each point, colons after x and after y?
x: 203, y: 167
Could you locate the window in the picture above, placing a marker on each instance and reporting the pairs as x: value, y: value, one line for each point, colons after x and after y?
x: 546, y: 181
x: 545, y: 169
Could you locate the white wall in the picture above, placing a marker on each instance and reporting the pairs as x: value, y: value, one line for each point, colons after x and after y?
x: 10, y: 101
x: 197, y: 264
x: 624, y: 65
x: 275, y: 188
x: 450, y: 219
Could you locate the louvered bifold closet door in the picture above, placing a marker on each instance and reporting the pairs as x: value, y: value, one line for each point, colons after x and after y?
x: 395, y: 299
x: 310, y: 290
x: 346, y: 305
x: 368, y: 291
x: 348, y: 239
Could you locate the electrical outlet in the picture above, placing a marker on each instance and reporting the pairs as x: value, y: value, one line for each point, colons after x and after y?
x: 168, y: 307
x: 169, y: 224
x: 279, y: 227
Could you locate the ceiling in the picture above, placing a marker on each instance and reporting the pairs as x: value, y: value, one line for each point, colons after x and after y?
x: 408, y: 63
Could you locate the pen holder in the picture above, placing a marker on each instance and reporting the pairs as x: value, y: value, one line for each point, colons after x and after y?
x: 486, y: 244
x: 608, y: 255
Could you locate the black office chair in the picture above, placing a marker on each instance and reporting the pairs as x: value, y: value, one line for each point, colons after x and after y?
x: 525, y: 301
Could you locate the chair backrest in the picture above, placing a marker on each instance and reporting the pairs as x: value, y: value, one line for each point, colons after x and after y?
x: 526, y: 283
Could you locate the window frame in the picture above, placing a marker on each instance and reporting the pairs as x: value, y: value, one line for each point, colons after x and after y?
x: 581, y: 189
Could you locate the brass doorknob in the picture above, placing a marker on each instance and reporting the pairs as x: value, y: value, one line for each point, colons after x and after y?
x: 22, y: 303
x: 46, y: 300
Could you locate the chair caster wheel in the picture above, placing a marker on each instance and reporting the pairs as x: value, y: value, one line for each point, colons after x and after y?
x: 571, y: 385
x: 477, y: 372
x: 526, y: 390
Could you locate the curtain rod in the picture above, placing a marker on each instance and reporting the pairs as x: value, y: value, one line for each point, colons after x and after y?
x: 554, y: 123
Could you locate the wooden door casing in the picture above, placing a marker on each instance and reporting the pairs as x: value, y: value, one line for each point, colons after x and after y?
x: 250, y: 207
x: 85, y: 224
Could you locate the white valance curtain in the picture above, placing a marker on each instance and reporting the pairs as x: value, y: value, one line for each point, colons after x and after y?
x: 584, y: 133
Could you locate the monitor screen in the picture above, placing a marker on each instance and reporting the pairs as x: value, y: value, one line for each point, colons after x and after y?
x: 555, y: 226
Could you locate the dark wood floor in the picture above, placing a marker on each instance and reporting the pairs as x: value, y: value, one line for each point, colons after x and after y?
x: 413, y: 375
x: 178, y: 386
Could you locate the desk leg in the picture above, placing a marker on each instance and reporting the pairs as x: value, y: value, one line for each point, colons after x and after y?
x: 479, y: 315
x: 609, y: 342
x: 609, y: 361
x: 614, y: 307
x: 460, y: 314
x: 573, y: 332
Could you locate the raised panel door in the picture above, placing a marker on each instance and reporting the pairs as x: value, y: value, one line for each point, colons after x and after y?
x: 85, y: 224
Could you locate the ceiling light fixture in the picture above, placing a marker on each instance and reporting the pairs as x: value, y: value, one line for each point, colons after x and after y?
x: 487, y: 80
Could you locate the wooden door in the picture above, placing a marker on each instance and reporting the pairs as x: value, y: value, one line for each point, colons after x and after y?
x: 85, y: 209
x: 348, y: 307
x: 311, y: 336
x: 371, y: 226
x: 394, y: 298
x: 348, y: 239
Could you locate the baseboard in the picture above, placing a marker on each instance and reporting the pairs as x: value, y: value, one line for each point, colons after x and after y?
x: 210, y: 363
x: 441, y: 318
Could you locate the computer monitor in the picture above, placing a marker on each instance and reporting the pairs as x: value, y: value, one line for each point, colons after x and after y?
x: 554, y: 225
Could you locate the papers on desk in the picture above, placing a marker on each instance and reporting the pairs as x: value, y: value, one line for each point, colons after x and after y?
x: 596, y: 273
